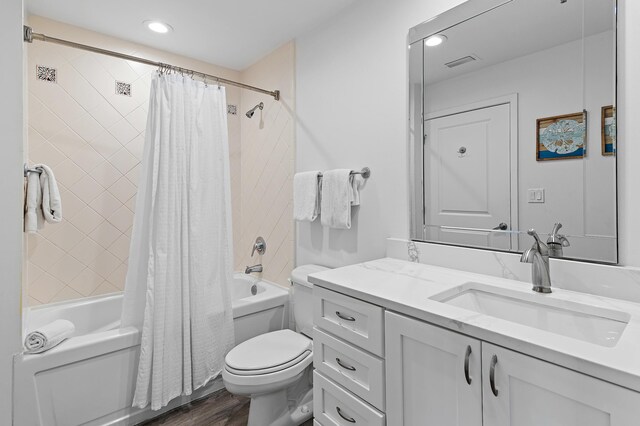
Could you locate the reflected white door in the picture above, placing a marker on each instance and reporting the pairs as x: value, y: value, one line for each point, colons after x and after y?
x: 468, y: 177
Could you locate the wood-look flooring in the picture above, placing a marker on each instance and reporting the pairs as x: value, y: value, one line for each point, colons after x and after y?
x: 219, y: 409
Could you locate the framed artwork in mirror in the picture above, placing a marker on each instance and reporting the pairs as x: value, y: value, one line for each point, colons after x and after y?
x: 608, y: 130
x: 561, y: 137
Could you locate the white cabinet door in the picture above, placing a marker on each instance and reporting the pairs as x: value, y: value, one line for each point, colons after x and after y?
x: 531, y: 392
x: 433, y: 375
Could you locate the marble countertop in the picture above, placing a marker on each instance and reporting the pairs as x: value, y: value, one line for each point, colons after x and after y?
x: 407, y: 288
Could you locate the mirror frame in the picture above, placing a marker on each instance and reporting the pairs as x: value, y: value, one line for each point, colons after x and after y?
x: 415, y: 60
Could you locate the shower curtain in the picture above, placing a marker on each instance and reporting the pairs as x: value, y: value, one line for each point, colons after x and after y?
x: 178, y: 287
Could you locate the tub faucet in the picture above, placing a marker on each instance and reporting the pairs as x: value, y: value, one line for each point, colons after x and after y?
x: 254, y: 268
x: 538, y: 256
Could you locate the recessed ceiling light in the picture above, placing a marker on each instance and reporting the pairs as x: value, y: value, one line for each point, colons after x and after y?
x: 158, y: 27
x: 435, y: 40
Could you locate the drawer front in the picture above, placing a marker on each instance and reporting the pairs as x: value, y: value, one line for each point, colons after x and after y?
x: 334, y: 406
x: 356, y: 370
x: 353, y: 320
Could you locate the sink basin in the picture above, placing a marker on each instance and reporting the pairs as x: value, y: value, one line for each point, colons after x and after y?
x: 591, y: 324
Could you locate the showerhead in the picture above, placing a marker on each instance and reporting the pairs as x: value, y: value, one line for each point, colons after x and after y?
x: 252, y: 111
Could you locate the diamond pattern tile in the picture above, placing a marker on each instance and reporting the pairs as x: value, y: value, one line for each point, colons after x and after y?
x: 94, y: 140
x: 86, y: 220
x: 123, y: 189
x: 267, y: 167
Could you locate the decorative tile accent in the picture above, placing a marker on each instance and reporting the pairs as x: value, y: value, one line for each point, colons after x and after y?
x: 232, y: 109
x: 123, y: 89
x: 46, y: 73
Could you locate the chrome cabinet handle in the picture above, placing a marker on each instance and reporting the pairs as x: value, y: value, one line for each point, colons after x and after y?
x: 467, y: 355
x: 344, y: 317
x: 345, y: 366
x: 492, y: 375
x: 347, y: 418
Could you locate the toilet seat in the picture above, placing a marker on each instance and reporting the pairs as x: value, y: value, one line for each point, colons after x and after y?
x: 268, y: 353
x: 272, y: 360
x: 273, y: 369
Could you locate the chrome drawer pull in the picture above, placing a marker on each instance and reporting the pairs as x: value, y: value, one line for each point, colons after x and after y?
x: 347, y: 418
x: 466, y: 365
x: 492, y: 375
x: 344, y: 317
x: 345, y: 366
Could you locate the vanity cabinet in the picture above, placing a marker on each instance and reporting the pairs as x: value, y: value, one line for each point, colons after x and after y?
x: 531, y: 392
x: 433, y: 375
x: 439, y: 377
x: 348, y: 356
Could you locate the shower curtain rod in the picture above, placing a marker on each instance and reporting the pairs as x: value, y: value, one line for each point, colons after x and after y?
x: 29, y: 36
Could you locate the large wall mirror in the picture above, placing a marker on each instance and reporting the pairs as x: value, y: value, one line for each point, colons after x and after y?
x: 513, y: 126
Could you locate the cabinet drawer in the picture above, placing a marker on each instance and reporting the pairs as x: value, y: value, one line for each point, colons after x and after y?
x: 353, y: 320
x: 356, y: 370
x: 334, y: 406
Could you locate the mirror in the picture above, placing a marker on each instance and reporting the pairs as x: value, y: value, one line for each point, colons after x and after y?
x: 512, y: 126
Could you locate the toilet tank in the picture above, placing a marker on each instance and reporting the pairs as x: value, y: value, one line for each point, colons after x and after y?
x: 302, y: 298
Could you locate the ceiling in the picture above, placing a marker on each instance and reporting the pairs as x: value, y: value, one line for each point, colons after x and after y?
x: 502, y: 34
x: 233, y: 34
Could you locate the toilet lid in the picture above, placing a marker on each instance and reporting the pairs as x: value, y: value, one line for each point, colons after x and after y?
x: 266, y: 352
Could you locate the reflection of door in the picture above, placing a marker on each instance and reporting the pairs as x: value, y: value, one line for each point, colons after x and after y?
x: 468, y: 177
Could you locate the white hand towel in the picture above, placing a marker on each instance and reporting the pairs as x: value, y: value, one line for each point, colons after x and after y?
x: 337, y: 198
x: 33, y: 216
x: 306, y: 196
x: 48, y: 336
x: 356, y: 182
x: 51, y: 201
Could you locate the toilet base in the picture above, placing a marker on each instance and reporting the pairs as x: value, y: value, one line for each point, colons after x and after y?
x: 291, y: 406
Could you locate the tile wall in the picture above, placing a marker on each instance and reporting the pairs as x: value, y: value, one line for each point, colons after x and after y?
x: 93, y: 138
x: 267, y: 165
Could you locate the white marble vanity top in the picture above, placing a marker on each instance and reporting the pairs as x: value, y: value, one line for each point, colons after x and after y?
x: 406, y: 288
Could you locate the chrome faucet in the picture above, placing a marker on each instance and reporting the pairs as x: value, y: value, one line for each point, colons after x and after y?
x: 538, y: 256
x: 254, y: 268
x: 557, y: 241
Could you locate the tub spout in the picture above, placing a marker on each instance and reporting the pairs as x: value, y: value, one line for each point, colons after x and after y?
x: 254, y: 268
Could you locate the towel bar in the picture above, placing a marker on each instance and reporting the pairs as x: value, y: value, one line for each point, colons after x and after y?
x: 365, y: 172
x: 27, y: 170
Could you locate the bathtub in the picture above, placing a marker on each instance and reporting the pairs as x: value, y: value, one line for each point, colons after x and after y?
x: 89, y: 379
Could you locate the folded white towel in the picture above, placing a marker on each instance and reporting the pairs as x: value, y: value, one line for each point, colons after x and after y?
x: 33, y: 216
x: 48, y: 336
x: 340, y: 191
x: 306, y: 196
x: 51, y: 201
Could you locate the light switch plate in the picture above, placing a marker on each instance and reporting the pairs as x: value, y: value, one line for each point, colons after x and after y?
x: 535, y: 195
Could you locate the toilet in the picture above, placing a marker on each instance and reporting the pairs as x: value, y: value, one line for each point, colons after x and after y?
x: 275, y: 369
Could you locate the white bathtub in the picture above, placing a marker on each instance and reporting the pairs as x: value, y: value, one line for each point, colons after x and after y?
x: 89, y: 379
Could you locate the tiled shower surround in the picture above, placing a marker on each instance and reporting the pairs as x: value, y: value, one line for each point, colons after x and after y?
x: 92, y: 138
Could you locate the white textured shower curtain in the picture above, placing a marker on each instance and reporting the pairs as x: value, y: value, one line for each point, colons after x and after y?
x: 178, y: 288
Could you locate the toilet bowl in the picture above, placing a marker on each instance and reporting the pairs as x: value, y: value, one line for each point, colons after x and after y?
x: 275, y: 369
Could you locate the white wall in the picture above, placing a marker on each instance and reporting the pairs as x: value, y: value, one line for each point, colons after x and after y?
x: 628, y: 131
x: 11, y: 181
x: 351, y: 105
